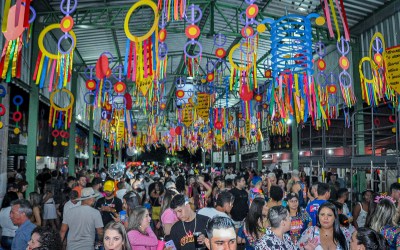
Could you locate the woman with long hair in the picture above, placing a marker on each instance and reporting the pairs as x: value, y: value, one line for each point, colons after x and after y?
x: 130, y: 200
x: 361, y: 209
x: 44, y: 238
x: 368, y: 239
x: 115, y: 237
x: 300, y: 220
x: 168, y: 216
x: 383, y: 222
x: 22, y: 186
x: 255, y: 223
x: 36, y: 202
x: 140, y: 234
x: 327, y: 232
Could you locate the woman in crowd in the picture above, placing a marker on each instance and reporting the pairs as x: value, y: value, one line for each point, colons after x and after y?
x: 202, y: 192
x: 36, y: 202
x: 300, y: 220
x: 22, y: 186
x: 275, y: 237
x: 368, y: 239
x: 115, y: 237
x: 180, y: 184
x: 327, y: 232
x: 44, y: 238
x: 360, y: 210
x: 255, y: 223
x: 140, y: 234
x: 49, y: 207
x: 168, y: 217
x: 383, y: 222
x: 129, y: 202
x: 8, y: 227
x: 156, y: 190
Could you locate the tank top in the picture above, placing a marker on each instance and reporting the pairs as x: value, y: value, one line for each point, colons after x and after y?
x: 361, y: 217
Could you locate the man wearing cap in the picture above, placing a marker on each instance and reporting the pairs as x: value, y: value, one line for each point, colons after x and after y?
x: 83, y: 222
x: 109, y: 206
x: 256, y: 190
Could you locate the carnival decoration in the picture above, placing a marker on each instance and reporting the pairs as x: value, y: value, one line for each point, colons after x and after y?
x: 89, y: 97
x: 161, y: 71
x: 60, y: 117
x: 3, y: 93
x: 345, y: 79
x: 392, y: 61
x: 377, y: 88
x: 192, y: 32
x: 59, y: 65
x: 117, y: 170
x: 172, y: 9
x: 343, y: 17
x: 16, y: 30
x: 17, y: 115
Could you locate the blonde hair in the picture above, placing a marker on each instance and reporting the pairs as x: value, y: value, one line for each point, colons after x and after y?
x: 136, y: 218
x: 384, y: 215
x: 119, y: 227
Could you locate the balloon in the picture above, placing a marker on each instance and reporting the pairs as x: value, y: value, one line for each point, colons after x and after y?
x: 172, y: 132
x: 116, y: 170
x: 218, y: 125
x: 178, y: 130
x: 246, y: 94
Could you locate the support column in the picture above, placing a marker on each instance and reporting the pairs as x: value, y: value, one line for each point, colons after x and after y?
x: 32, y: 119
x: 72, y: 128
x: 238, y: 141
x: 223, y: 157
x: 259, y: 151
x: 295, y: 146
x: 4, y: 143
x: 101, y: 164
x: 359, y: 118
x: 90, y: 142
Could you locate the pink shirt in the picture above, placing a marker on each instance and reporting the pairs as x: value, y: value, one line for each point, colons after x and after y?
x: 169, y: 217
x: 139, y: 241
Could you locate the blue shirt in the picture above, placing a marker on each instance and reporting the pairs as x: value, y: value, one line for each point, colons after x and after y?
x: 312, y: 209
x: 22, y: 236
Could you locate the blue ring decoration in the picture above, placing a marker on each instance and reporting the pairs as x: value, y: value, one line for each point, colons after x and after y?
x: 343, y: 47
x: 3, y: 91
x: 217, y: 40
x: 192, y: 8
x: 180, y: 82
x: 320, y: 48
x: 331, y: 78
x: 162, y: 51
x: 108, y: 87
x: 117, y: 78
x: 345, y: 84
x: 104, y: 114
x: 118, y: 105
x: 85, y: 98
x: 90, y: 68
x: 20, y: 100
x: 193, y: 42
x: 318, y: 79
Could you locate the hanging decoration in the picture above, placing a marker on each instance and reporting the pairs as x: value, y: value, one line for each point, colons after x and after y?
x: 60, y: 117
x: 59, y: 66
x: 3, y: 93
x: 161, y: 71
x: 192, y: 31
x: 174, y: 9
x: 89, y: 97
x: 327, y: 8
x: 16, y: 30
x: 345, y: 80
x: 322, y: 83
x: 17, y: 115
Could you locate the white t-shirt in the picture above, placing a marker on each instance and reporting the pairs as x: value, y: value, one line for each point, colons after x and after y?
x: 68, y: 205
x: 211, y: 212
x: 230, y: 176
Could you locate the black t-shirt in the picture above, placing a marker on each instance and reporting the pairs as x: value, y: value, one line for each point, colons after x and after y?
x: 185, y: 240
x: 240, y: 206
x: 115, y: 203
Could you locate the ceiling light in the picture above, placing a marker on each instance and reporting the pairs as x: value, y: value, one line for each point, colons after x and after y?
x: 301, y: 9
x: 330, y: 151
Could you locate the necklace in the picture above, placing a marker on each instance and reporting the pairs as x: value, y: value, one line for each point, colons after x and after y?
x: 194, y: 230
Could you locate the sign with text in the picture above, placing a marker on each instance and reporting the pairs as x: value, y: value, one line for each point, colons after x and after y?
x: 187, y: 115
x: 393, y: 67
x: 203, y: 106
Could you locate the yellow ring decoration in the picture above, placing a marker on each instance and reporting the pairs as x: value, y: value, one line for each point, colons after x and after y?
x: 54, y: 106
x: 42, y: 35
x: 128, y: 16
x: 233, y: 64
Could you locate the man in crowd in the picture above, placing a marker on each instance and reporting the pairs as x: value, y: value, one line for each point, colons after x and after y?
x: 324, y: 193
x: 182, y: 232
x: 83, y: 222
x: 224, y: 205
x: 81, y: 184
x: 109, y: 206
x: 295, y: 185
x: 221, y: 234
x: 20, y: 214
x: 73, y: 202
x: 256, y: 191
x: 240, y: 206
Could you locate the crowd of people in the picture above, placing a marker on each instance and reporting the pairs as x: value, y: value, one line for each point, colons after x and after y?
x: 195, y: 208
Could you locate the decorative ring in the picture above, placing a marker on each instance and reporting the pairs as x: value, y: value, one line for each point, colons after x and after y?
x: 17, y: 116
x: 118, y: 105
x: 107, y: 85
x: 87, y: 101
x: 193, y: 42
x: 180, y: 82
x: 342, y: 79
x: 2, y: 109
x: 64, y: 134
x: 153, y: 6
x: 162, y: 51
x: 219, y: 40
x: 104, y: 115
x: 392, y: 119
x: 287, y: 138
x: 233, y: 64
x: 44, y: 51
x: 65, y: 37
x: 3, y: 91
x: 18, y: 100
x: 72, y: 99
x: 377, y: 122
x: 69, y: 11
x: 90, y: 69
x: 55, y: 133
x: 192, y: 8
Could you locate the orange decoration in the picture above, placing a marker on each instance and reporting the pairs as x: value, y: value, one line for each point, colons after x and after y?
x: 332, y: 89
x: 180, y: 93
x: 210, y: 77
x: 268, y: 73
x: 220, y: 53
x: 321, y: 64
x: 252, y: 11
x: 192, y: 31
x: 162, y: 35
x: 247, y: 31
x: 258, y: 98
x: 91, y: 84
x: 344, y: 62
x: 119, y: 87
x: 67, y: 23
x: 163, y: 106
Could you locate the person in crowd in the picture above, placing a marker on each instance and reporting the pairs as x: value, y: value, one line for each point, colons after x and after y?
x: 168, y: 217
x: 256, y: 191
x: 327, y: 232
x: 360, y: 210
x: 229, y: 174
x: 190, y: 222
x: 295, y: 185
x: 115, y: 237
x: 254, y: 224
x: 121, y: 190
x: 44, y: 238
x: 49, y: 207
x: 383, y: 221
x: 367, y: 239
x: 42, y: 178
x: 323, y: 192
x: 180, y: 185
x: 71, y: 182
x: 81, y: 183
x: 82, y: 223
x: 202, y: 192
x: 312, y: 193
x: 20, y: 214
x: 36, y: 202
x: 300, y: 220
x: 6, y: 224
x: 109, y: 206
x: 394, y: 190
x: 73, y: 202
x: 140, y: 234
x: 223, y: 207
x: 22, y: 186
x: 221, y: 234
x: 97, y: 184
x: 282, y: 184
x: 275, y: 237
x: 342, y: 196
x: 276, y: 196
x: 56, y: 187
x: 219, y: 186
x: 240, y: 206
x: 156, y: 191
x: 130, y: 200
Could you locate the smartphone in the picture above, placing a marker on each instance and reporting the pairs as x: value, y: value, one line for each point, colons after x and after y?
x: 170, y: 244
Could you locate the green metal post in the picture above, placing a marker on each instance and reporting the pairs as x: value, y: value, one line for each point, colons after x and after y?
x: 32, y: 120
x: 238, y: 141
x: 295, y: 146
x: 223, y: 158
x: 101, y: 164
x: 72, y: 128
x: 259, y: 151
x: 212, y: 6
x: 90, y: 143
